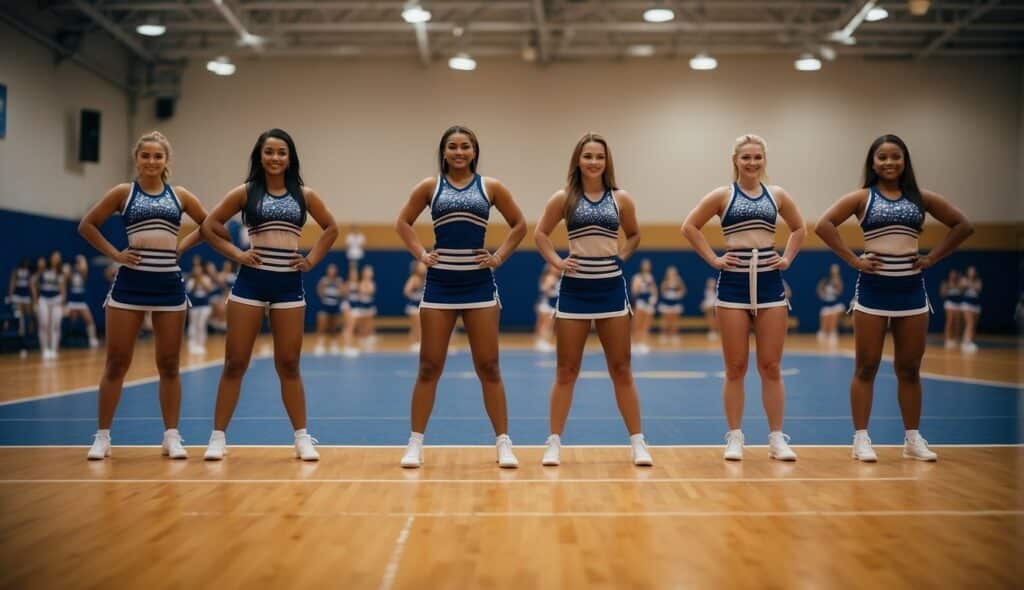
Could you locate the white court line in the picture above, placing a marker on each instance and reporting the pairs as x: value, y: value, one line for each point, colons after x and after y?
x: 402, y: 446
x: 155, y: 379
x: 413, y: 480
x: 483, y: 418
x: 652, y: 514
x: 391, y: 571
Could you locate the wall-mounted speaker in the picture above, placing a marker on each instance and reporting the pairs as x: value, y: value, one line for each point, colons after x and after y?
x: 164, y: 107
x: 89, y: 136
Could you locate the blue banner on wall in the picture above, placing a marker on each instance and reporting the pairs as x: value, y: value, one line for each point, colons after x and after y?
x: 3, y: 110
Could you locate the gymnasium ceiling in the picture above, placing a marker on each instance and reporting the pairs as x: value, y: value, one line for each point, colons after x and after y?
x: 539, y: 31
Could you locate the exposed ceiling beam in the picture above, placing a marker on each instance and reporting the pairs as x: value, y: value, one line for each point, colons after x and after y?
x: 422, y: 43
x: 543, y: 36
x: 245, y: 38
x: 39, y: 36
x: 956, y: 27
x: 127, y: 39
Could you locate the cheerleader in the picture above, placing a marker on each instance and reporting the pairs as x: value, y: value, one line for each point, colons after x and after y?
x: 890, y: 286
x: 460, y: 280
x: 645, y: 301
x: 19, y: 293
x: 274, y: 205
x: 77, y: 304
x: 673, y: 290
x: 593, y: 289
x: 49, y: 290
x: 365, y: 309
x: 201, y: 291
x: 330, y: 290
x: 708, y: 306
x: 951, y: 293
x: 148, y: 282
x: 970, y: 307
x: 829, y: 290
x: 413, y: 293
x: 750, y: 288
x: 349, y: 311
x: 547, y: 301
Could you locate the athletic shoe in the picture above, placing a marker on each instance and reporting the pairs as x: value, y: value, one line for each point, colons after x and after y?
x: 966, y: 347
x: 100, y: 448
x: 641, y: 456
x: 218, y: 446
x: 552, y: 455
x: 304, y: 447
x: 506, y: 458
x: 778, y: 448
x: 950, y: 344
x: 916, y: 447
x: 862, y: 450
x: 413, y: 457
x: 319, y: 350
x: 172, y: 447
x: 713, y: 336
x: 833, y: 340
x: 350, y: 352
x: 733, y: 446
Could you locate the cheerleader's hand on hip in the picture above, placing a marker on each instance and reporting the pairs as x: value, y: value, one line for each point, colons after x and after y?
x: 568, y: 264
x: 127, y: 257
x: 726, y: 261
x: 923, y: 262
x: 249, y: 258
x: 781, y: 264
x: 429, y: 258
x: 867, y: 263
x: 301, y: 264
x: 486, y: 259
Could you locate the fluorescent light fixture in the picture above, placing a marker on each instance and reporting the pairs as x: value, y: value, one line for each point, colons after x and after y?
x: 247, y: 39
x: 876, y: 14
x: 807, y: 63
x: 414, y: 13
x: 221, y: 66
x: 827, y: 52
x: 151, y: 28
x: 640, y: 50
x: 659, y: 15
x: 857, y: 19
x: 842, y: 38
x: 703, y: 61
x: 462, y: 62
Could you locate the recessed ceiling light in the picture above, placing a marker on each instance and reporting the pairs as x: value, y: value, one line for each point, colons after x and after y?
x: 659, y: 15
x: 414, y: 13
x: 151, y: 28
x: 462, y: 62
x: 876, y: 14
x: 807, y: 63
x: 703, y: 61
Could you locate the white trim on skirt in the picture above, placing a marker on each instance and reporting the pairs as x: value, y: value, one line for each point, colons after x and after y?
x: 473, y: 305
x: 899, y: 313
x: 266, y: 304
x: 111, y: 302
x: 750, y: 307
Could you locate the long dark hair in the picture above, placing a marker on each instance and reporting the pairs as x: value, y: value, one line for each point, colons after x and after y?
x: 256, y: 182
x: 908, y: 182
x: 442, y: 165
x: 574, y: 180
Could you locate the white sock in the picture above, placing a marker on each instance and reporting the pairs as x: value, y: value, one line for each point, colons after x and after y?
x: 736, y: 431
x: 91, y: 329
x: 216, y: 432
x: 555, y: 439
x: 637, y: 438
x: 104, y: 432
x: 300, y: 432
x: 416, y: 436
x: 912, y: 434
x: 861, y: 432
x: 170, y: 431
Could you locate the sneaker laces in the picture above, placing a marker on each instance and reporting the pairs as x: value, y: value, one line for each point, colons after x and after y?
x: 312, y: 440
x: 784, y: 437
x: 730, y: 437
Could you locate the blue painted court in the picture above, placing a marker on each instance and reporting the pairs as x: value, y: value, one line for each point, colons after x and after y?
x: 365, y: 401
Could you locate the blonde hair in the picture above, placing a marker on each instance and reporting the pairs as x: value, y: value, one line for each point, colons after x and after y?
x: 156, y: 137
x: 745, y: 140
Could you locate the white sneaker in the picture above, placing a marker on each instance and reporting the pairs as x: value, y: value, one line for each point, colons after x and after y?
x: 100, y: 448
x: 172, y: 447
x: 833, y: 340
x: 821, y: 336
x: 950, y: 344
x: 553, y: 454
x: 94, y: 343
x: 350, y: 352
x: 506, y: 458
x: 414, y: 347
x: 641, y: 456
x: 862, y: 450
x: 319, y: 350
x: 917, y: 448
x: 713, y: 336
x: 966, y: 347
x: 218, y: 446
x: 304, y: 447
x: 733, y: 446
x: 778, y: 448
x: 413, y: 457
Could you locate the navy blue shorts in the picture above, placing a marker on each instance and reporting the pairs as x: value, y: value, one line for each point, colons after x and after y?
x: 269, y: 289
x: 147, y: 290
x: 592, y: 299
x: 734, y: 290
x: 891, y: 296
x: 459, y: 289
